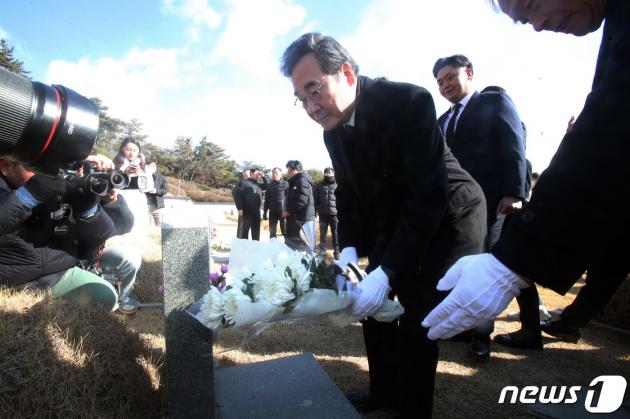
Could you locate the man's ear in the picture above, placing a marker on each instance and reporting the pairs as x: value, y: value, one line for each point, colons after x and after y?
x: 348, y: 74
x: 5, y: 165
x: 469, y: 73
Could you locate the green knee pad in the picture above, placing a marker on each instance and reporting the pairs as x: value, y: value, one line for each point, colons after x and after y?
x: 84, y: 287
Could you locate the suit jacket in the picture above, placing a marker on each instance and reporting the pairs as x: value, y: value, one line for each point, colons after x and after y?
x: 580, y: 203
x: 397, y: 184
x: 161, y: 188
x: 490, y: 145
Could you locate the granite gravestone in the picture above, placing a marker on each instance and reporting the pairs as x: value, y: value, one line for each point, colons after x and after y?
x: 189, y: 372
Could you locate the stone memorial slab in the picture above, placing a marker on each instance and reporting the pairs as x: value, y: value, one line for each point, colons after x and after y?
x: 189, y: 373
x: 285, y: 388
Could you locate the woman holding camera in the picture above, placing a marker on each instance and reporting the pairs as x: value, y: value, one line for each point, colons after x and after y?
x: 131, y: 161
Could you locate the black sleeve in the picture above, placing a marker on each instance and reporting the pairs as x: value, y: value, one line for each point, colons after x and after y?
x: 512, y: 147
x: 12, y: 210
x: 161, y: 187
x: 238, y: 196
x: 579, y: 204
x: 418, y: 142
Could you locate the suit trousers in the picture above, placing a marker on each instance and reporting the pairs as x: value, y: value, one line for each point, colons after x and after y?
x: 402, y: 360
x: 324, y: 222
x: 274, y: 219
x: 250, y: 222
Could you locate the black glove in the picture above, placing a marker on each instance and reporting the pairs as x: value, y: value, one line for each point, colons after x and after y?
x: 82, y: 201
x: 264, y: 215
x: 43, y: 187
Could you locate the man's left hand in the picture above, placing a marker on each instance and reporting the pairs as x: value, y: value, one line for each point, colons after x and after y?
x: 372, y: 293
x: 509, y: 205
x: 481, y: 289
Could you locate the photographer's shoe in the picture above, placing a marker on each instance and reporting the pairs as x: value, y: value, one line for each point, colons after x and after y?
x: 521, y: 339
x: 128, y: 306
x: 561, y: 330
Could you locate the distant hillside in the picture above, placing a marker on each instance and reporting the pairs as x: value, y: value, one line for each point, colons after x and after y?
x: 196, y: 192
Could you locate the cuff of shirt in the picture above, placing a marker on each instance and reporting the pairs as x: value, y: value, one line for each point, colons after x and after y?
x: 26, y: 197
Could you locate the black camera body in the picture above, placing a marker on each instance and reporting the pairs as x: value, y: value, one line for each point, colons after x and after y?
x: 100, y: 183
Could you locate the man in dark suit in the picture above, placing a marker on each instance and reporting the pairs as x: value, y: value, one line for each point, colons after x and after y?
x: 402, y: 201
x: 574, y: 212
x: 276, y: 202
x: 484, y: 132
x: 248, y: 199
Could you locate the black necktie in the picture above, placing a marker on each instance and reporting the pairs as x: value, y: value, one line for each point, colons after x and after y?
x: 450, y: 129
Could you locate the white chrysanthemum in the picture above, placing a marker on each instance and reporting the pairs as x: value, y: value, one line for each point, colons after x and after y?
x: 301, y: 275
x: 232, y: 297
x: 212, y: 308
x: 272, y: 286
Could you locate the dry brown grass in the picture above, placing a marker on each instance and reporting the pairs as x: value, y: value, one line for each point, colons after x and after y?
x: 61, y: 360
x: 68, y: 347
x: 184, y: 188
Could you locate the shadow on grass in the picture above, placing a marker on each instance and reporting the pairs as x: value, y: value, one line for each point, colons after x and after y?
x: 62, y: 360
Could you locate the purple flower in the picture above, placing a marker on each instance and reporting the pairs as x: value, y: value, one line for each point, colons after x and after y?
x: 224, y: 268
x: 161, y: 289
x: 214, y: 277
x: 221, y: 286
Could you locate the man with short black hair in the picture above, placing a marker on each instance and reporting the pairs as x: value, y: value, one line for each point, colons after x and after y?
x: 50, y: 235
x: 485, y: 134
x: 572, y: 220
x: 276, y: 202
x: 403, y: 202
x: 300, y: 204
x: 248, y: 199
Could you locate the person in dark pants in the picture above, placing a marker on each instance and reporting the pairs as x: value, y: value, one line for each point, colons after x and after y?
x: 300, y: 204
x: 155, y: 196
x: 403, y: 202
x: 236, y: 196
x: 276, y: 202
x: 574, y: 214
x: 326, y: 208
x: 248, y: 199
x: 484, y: 131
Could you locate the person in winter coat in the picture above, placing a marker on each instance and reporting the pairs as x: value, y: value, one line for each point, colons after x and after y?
x: 326, y: 208
x: 300, y: 204
x: 276, y: 202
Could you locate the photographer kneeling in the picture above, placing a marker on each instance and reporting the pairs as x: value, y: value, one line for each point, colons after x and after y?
x: 48, y: 235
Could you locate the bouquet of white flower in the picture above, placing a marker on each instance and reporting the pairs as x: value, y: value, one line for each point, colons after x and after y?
x: 269, y: 282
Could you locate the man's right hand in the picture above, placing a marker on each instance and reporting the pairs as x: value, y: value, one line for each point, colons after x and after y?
x: 42, y: 187
x: 240, y: 213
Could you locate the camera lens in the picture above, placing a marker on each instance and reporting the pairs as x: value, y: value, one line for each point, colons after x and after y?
x: 44, y: 127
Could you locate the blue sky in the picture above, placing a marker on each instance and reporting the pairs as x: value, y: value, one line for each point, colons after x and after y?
x: 207, y: 67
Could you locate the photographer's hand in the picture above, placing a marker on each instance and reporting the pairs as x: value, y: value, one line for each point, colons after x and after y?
x: 39, y: 188
x: 103, y: 163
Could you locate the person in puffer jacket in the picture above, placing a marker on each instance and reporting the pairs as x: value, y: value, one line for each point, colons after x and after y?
x: 300, y: 204
x: 326, y: 208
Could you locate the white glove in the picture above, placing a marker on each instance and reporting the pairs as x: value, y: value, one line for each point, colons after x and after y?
x: 483, y: 287
x: 347, y: 255
x: 371, y: 293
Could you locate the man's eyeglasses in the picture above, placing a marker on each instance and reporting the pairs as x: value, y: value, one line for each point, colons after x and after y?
x: 315, y: 95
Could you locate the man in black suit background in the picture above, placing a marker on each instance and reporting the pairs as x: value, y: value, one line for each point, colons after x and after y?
x: 403, y: 201
x: 573, y: 218
x: 485, y: 134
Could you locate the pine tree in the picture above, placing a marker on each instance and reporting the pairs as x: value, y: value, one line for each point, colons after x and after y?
x: 9, y: 62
